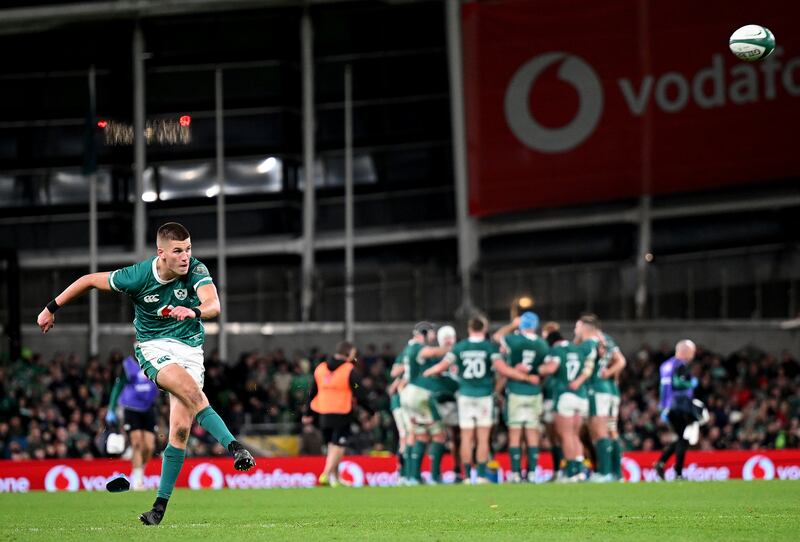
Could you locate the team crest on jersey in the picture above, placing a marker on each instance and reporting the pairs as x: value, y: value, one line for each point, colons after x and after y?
x: 200, y: 270
x: 180, y: 293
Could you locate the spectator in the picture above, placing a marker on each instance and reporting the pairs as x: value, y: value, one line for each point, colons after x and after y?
x: 55, y: 408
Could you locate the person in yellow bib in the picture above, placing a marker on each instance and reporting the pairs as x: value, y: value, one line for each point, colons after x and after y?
x: 331, y: 396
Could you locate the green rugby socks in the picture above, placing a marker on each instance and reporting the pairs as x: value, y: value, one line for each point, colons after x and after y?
x: 171, y: 463
x: 437, y: 451
x: 558, y: 456
x: 211, y: 422
x: 604, y: 448
x: 516, y: 459
x: 616, y: 458
x: 533, y: 459
x: 417, y: 453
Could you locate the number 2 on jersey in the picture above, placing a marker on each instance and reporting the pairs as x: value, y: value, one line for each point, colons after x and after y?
x: 474, y: 368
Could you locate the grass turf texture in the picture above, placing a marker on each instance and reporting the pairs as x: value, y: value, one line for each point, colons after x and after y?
x: 731, y: 510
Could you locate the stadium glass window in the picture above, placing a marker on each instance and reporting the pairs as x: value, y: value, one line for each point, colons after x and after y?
x: 188, y: 180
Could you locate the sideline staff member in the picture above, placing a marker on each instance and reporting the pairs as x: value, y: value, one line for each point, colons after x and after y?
x: 331, y: 396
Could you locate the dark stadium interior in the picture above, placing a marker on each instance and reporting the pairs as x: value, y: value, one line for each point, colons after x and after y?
x: 723, y: 262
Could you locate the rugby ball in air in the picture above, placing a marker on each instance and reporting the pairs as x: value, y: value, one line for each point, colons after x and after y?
x: 752, y: 42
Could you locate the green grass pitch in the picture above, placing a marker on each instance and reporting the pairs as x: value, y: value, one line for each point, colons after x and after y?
x: 665, y: 511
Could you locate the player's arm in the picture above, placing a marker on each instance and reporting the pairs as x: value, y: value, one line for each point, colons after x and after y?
x: 440, y: 367
x: 208, y: 307
x: 616, y: 366
x: 588, y: 367
x: 505, y: 330
x: 397, y: 370
x: 395, y: 386
x: 46, y: 318
x: 499, y: 385
x: 510, y: 372
x: 550, y: 365
x: 664, y: 388
x: 116, y: 391
x: 432, y: 352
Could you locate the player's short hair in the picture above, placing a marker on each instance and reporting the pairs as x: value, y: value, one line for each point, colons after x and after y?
x: 590, y: 319
x: 426, y: 329
x: 477, y: 323
x: 343, y: 348
x: 172, y: 231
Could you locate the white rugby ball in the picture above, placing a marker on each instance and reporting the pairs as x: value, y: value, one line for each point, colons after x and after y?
x: 752, y: 42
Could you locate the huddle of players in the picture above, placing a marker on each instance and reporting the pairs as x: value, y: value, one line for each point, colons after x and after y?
x: 546, y: 382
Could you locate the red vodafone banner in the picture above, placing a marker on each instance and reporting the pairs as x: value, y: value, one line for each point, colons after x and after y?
x: 296, y: 472
x: 579, y: 100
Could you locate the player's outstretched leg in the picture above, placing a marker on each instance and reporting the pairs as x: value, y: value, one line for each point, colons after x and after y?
x: 211, y: 422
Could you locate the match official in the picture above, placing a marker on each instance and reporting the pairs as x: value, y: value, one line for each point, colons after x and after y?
x: 331, y: 396
x: 675, y: 401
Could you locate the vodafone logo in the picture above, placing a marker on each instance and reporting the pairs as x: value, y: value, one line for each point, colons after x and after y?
x: 631, y: 470
x: 62, y: 478
x: 521, y: 121
x: 717, y: 85
x: 206, y: 476
x: 351, y: 473
x: 758, y: 467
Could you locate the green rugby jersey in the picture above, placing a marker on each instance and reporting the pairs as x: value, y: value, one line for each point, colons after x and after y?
x: 529, y: 351
x: 474, y: 359
x: 448, y: 386
x: 604, y: 385
x: 415, y: 365
x: 550, y: 387
x: 572, y: 360
x: 154, y: 298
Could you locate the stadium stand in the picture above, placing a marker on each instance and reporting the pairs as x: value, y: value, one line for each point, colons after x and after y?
x: 54, y: 408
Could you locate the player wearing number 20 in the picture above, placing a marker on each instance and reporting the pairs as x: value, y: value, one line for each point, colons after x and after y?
x: 477, y: 359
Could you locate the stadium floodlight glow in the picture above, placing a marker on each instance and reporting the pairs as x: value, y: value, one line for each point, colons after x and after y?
x: 212, y: 191
x: 525, y: 302
x: 267, y: 165
x: 149, y: 196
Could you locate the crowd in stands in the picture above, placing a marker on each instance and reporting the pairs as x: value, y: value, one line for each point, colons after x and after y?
x: 55, y: 408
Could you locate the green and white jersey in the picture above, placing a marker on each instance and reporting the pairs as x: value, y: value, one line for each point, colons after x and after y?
x: 415, y: 365
x: 474, y: 359
x: 530, y: 351
x: 572, y: 360
x: 154, y: 298
x: 604, y: 385
x: 448, y: 386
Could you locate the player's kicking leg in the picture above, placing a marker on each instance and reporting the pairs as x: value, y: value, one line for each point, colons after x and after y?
x: 187, y: 402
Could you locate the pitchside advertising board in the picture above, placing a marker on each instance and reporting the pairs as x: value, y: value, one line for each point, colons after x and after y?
x: 302, y: 472
x: 579, y: 100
